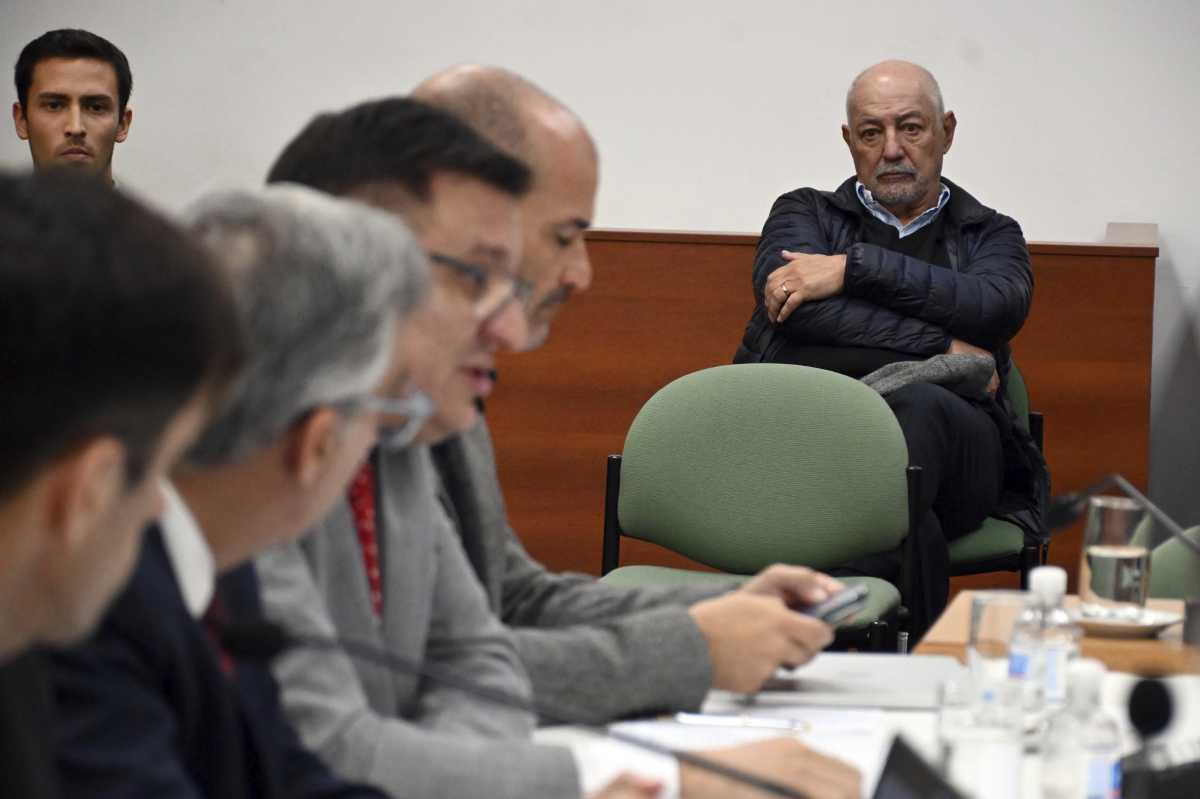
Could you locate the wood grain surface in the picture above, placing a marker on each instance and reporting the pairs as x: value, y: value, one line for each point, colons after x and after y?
x: 1164, y: 654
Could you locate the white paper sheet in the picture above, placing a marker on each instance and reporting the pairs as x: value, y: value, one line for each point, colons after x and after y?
x: 859, y: 737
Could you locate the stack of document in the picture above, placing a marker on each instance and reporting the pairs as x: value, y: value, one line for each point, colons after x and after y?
x: 834, y: 704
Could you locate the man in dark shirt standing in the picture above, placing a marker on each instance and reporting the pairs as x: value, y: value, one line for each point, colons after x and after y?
x: 899, y: 264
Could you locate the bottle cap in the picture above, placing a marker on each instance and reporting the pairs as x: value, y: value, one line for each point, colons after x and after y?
x: 1048, y: 582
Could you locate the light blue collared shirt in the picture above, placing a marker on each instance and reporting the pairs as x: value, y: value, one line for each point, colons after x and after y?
x: 888, y: 218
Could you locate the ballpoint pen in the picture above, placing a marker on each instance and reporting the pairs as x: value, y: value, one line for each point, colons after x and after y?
x: 729, y: 720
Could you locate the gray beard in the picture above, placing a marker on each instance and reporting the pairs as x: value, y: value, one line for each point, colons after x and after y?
x: 902, y: 195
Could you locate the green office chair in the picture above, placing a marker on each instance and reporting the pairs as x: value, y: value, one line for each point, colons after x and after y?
x: 1175, y: 569
x: 742, y: 466
x: 999, y: 545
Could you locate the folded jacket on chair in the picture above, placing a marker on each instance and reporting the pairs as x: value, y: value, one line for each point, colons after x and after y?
x: 963, y: 373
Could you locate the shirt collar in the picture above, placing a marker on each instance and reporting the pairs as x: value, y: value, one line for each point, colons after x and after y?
x: 191, y: 559
x: 887, y: 217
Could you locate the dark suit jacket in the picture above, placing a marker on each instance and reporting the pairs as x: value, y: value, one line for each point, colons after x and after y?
x: 26, y: 723
x: 145, y: 709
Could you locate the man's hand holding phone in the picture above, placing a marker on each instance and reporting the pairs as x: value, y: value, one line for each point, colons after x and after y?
x: 841, y: 606
x: 755, y: 630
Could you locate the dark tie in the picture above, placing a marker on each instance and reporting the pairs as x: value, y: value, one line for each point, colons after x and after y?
x: 214, y: 620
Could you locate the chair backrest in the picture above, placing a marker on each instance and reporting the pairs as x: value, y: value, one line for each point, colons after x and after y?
x: 745, y: 465
x: 1175, y: 569
x: 1018, y: 394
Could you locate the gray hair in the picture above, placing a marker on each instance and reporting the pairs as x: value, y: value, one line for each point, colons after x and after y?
x: 319, y: 282
x: 929, y: 85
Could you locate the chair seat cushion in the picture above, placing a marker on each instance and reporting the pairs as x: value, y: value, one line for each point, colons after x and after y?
x: 994, y: 539
x: 882, y: 596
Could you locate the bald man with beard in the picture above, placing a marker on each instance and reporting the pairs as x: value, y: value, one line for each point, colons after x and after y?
x: 899, y: 265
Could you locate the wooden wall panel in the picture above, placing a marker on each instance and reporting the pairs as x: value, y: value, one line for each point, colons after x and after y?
x: 665, y: 304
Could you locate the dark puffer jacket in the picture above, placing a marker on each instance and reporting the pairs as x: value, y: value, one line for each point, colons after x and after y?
x: 892, y: 301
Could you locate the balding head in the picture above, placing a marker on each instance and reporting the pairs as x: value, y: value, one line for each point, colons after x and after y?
x: 512, y: 112
x: 524, y: 119
x: 898, y: 133
x: 894, y: 72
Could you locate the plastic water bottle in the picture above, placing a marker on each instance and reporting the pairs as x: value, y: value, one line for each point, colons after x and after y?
x: 1082, y: 756
x: 1045, y: 640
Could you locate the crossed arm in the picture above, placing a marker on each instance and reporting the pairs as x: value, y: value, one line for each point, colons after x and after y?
x: 870, y: 296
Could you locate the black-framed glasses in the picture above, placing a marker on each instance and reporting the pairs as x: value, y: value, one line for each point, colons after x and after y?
x: 489, y: 289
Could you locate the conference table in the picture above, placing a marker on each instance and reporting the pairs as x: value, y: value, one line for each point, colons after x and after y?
x: 1163, y: 654
x: 861, y: 731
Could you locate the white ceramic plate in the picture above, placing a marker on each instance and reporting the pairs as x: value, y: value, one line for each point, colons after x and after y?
x: 1150, y: 624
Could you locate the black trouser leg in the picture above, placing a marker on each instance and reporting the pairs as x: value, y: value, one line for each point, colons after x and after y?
x: 958, y: 448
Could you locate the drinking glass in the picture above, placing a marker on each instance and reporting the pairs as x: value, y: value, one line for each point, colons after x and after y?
x: 993, y: 614
x: 1114, y: 572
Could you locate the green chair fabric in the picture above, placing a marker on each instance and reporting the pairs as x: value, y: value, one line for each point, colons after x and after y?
x: 1175, y: 569
x: 745, y: 465
x: 637, y: 575
x: 1018, y: 394
x: 994, y: 539
x: 882, y: 596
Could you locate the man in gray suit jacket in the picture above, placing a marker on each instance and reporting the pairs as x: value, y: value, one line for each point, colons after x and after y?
x: 415, y: 594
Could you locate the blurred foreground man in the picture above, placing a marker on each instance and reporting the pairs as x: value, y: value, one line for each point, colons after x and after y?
x: 899, y: 264
x: 117, y: 339
x: 152, y: 705
x: 72, y: 103
x: 387, y: 567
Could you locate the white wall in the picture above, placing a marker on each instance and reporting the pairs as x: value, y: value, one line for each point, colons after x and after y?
x: 1071, y: 114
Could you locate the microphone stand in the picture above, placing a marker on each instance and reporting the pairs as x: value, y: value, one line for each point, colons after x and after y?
x: 1066, y: 508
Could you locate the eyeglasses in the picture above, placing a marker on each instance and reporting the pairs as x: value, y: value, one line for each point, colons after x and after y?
x: 489, y: 289
x: 415, y: 409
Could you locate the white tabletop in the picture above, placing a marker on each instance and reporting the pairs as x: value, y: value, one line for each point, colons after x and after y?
x: 843, y: 731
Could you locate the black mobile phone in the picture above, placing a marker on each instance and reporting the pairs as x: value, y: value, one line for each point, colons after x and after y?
x: 840, y: 606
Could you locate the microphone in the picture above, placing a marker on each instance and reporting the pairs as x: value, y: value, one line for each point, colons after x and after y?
x: 1150, y: 707
x: 1064, y: 509
x: 1157, y: 770
x: 262, y: 640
